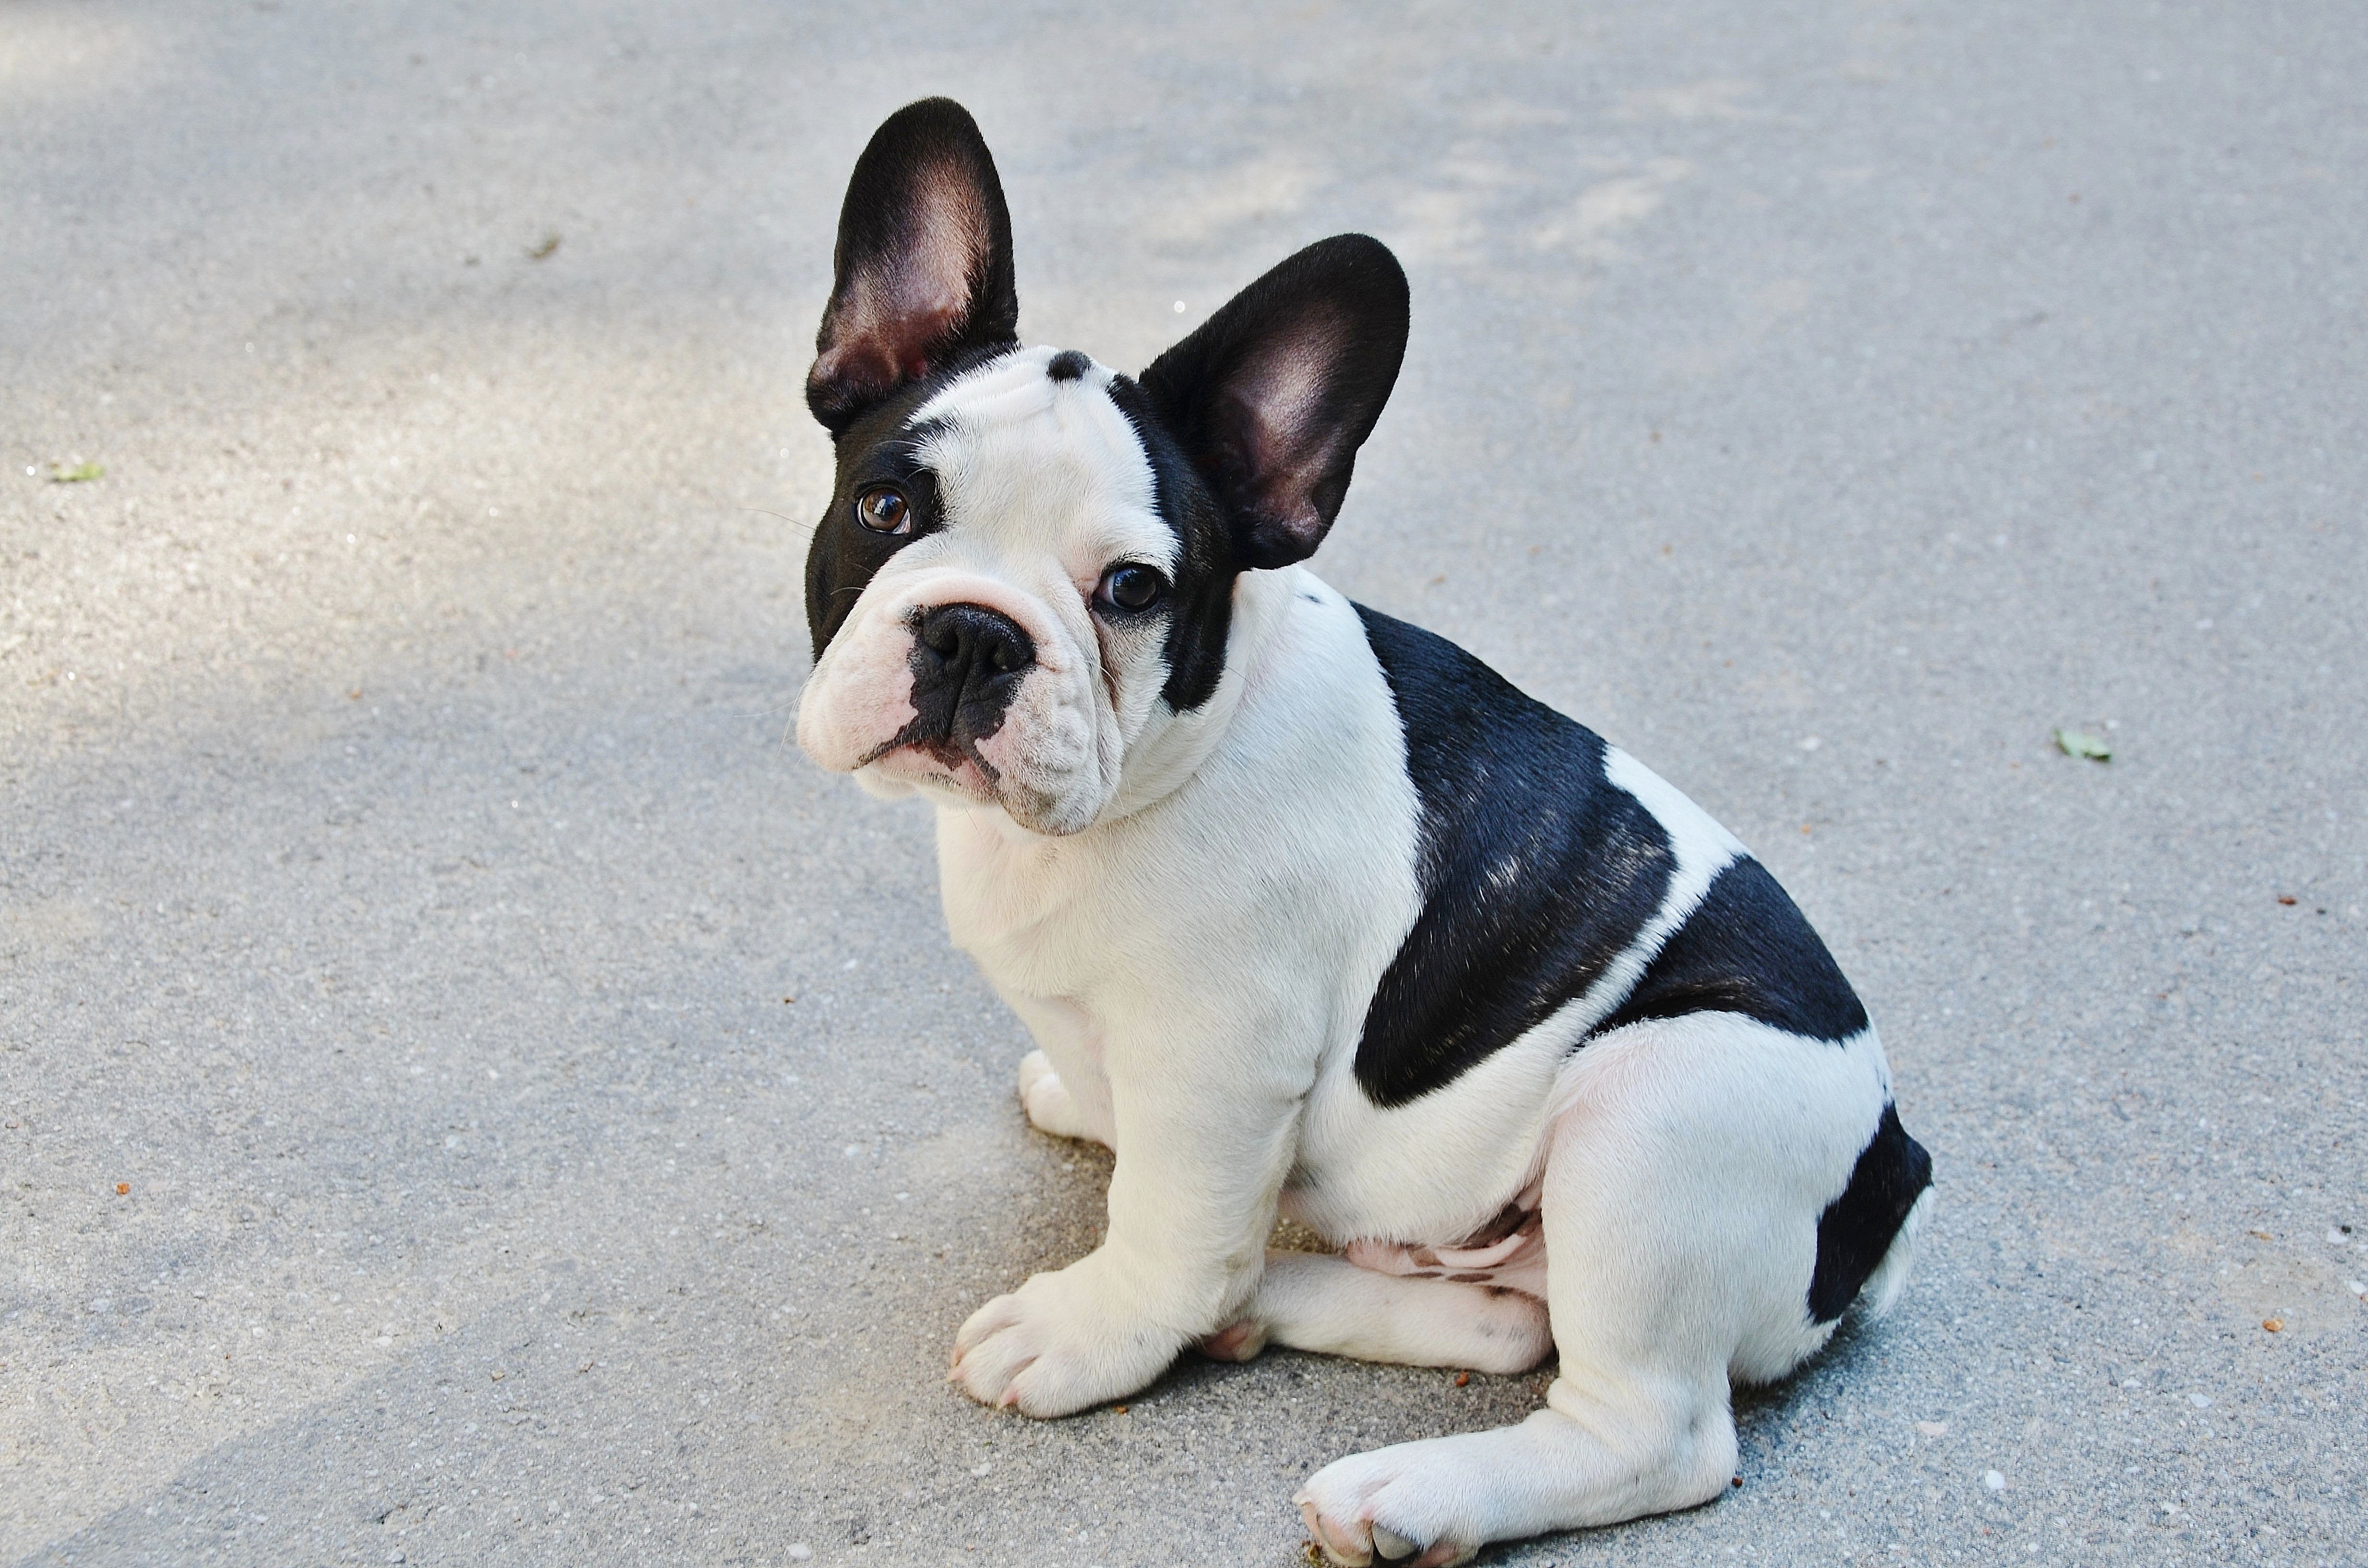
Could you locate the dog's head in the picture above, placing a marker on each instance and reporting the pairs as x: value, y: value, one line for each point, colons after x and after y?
x: 1029, y: 560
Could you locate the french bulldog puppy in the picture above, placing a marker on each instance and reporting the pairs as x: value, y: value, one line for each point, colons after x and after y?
x: 1309, y: 910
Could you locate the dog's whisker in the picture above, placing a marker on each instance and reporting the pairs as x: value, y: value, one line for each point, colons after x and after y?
x: 801, y: 524
x: 765, y: 712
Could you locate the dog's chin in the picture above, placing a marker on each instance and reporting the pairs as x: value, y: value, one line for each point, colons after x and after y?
x: 947, y: 778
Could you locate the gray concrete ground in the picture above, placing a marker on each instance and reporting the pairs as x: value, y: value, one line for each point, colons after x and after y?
x: 412, y: 1151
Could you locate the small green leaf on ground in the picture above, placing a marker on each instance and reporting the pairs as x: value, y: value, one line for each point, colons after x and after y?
x: 78, y: 474
x: 540, y: 252
x: 2072, y: 742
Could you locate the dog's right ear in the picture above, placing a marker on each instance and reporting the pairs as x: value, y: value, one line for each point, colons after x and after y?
x: 923, y: 263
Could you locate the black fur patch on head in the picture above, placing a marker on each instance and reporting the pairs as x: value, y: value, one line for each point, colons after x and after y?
x: 1536, y: 872
x: 1068, y: 365
x: 1747, y: 949
x: 1200, y: 600
x: 1857, y: 1228
x: 880, y: 448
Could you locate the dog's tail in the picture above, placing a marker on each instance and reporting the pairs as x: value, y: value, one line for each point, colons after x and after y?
x: 1881, y: 1291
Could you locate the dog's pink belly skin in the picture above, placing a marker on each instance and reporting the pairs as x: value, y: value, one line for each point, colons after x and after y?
x: 1514, y: 1258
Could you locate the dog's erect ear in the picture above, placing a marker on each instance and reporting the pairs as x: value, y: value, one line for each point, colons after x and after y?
x: 1275, y: 392
x: 923, y: 265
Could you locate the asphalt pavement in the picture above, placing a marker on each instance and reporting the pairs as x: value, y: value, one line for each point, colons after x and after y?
x: 471, y: 1092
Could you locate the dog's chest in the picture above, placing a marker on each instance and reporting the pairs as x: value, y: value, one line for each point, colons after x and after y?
x: 1285, y: 862
x: 1022, y: 907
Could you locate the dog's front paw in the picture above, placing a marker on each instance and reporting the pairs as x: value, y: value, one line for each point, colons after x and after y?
x: 1049, y: 1104
x: 1059, y: 1343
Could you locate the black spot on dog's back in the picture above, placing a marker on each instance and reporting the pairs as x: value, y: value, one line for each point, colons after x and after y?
x: 1857, y: 1228
x: 1746, y: 948
x: 1067, y: 366
x: 1536, y: 872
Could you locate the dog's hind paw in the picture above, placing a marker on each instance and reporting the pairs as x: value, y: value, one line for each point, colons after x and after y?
x: 1340, y: 1515
x: 1240, y: 1340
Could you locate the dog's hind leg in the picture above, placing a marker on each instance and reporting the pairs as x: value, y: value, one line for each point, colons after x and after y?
x: 1690, y: 1160
x: 1320, y: 1302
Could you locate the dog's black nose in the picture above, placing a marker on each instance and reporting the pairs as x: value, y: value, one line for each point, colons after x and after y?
x: 970, y: 637
x: 967, y: 661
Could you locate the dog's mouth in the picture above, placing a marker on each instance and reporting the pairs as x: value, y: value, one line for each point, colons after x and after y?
x: 938, y: 754
x: 940, y: 758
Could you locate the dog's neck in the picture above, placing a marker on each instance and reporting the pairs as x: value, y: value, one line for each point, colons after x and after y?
x: 1162, y: 758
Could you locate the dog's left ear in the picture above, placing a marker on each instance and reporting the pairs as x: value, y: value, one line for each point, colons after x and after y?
x: 922, y: 266
x: 1273, y: 394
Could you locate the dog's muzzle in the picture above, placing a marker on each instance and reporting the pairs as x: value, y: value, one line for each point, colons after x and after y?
x: 967, y: 664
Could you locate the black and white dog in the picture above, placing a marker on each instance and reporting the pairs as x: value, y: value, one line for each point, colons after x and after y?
x: 1309, y: 910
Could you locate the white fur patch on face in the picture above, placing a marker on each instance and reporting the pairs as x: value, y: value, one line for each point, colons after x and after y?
x: 1042, y: 486
x: 867, y: 698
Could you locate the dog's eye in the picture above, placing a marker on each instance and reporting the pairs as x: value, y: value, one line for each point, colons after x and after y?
x: 1131, y: 587
x: 883, y: 510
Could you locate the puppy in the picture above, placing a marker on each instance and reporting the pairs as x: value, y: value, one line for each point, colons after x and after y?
x: 1311, y: 912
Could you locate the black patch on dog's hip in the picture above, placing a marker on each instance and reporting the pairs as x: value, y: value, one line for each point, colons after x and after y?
x: 1746, y: 948
x: 1536, y: 872
x: 1857, y: 1228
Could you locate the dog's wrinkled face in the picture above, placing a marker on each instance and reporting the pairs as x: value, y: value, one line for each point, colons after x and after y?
x: 1027, y: 562
x: 1000, y: 591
